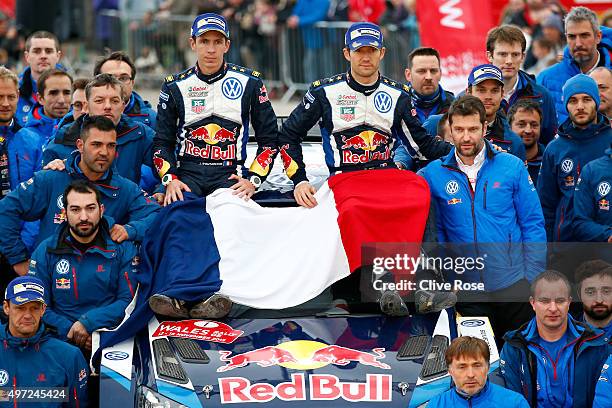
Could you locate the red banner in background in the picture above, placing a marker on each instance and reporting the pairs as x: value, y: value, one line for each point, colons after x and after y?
x: 458, y: 30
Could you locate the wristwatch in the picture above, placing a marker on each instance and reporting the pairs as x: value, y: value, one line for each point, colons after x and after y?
x: 256, y: 181
x: 167, y: 179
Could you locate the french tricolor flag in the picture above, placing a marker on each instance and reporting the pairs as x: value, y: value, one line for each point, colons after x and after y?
x: 275, y: 258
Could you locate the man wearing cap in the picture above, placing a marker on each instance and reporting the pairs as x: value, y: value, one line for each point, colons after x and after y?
x: 583, y: 137
x: 487, y: 84
x: 204, y: 113
x: 30, y: 356
x: 362, y: 115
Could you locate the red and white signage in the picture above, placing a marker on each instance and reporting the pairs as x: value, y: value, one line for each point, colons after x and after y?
x: 205, y: 330
x: 322, y: 387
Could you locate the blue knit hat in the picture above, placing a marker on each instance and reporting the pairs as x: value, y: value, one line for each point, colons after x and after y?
x: 581, y: 84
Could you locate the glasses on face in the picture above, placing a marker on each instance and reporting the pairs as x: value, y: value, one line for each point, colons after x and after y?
x: 123, y: 78
x: 591, y: 293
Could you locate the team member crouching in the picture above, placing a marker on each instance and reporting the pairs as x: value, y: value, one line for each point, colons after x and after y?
x: 467, y: 359
x: 31, y: 357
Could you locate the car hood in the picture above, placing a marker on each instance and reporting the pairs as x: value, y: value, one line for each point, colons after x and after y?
x: 330, y: 360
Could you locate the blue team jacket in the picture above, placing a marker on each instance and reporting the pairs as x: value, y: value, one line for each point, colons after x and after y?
x: 41, y: 198
x: 503, y: 209
x: 141, y: 111
x: 491, y: 395
x: 524, y: 365
x: 93, y: 287
x: 43, y: 361
x: 563, y: 161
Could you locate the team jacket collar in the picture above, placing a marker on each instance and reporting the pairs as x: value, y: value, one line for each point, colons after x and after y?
x: 10, y: 341
x: 480, y: 394
x: 364, y: 89
x: 568, y: 130
x: 450, y: 161
x: 10, y: 129
x: 212, y: 77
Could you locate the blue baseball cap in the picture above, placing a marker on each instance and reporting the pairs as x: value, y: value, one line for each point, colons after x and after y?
x: 363, y: 35
x: 483, y: 72
x: 25, y: 289
x: 209, y: 22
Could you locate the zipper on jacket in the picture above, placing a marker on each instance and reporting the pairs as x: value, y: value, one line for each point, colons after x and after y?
x: 127, y: 278
x: 560, y: 223
x: 485, y: 194
x: 14, y: 391
x: 76, y: 288
x: 18, y: 167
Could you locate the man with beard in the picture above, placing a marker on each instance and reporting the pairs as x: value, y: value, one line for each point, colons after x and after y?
x: 525, y: 118
x: 603, y: 78
x: 41, y: 53
x: 41, y: 197
x: 595, y: 291
x: 553, y: 360
x: 486, y: 83
x: 588, y: 46
x: 88, y: 278
x: 581, y: 139
x: 54, y: 88
x: 480, y: 195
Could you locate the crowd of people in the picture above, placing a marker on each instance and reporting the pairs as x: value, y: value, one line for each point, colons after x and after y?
x: 86, y: 165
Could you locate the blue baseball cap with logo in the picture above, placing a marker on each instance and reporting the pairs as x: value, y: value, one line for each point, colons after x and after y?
x: 25, y: 289
x: 363, y: 35
x: 483, y: 72
x: 209, y: 22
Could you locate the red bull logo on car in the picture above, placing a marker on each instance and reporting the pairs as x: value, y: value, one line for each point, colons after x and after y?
x: 368, y: 142
x: 303, y: 355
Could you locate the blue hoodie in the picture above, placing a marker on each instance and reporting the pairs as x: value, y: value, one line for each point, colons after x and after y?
x: 491, y: 395
x: 40, y: 124
x: 93, y: 287
x: 592, y: 220
x: 43, y: 361
x: 563, y: 161
x: 567, y: 382
x: 40, y: 198
x: 134, y: 145
x: 502, y: 211
x: 553, y: 78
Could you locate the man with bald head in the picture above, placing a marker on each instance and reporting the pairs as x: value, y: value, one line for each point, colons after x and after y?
x: 603, y: 78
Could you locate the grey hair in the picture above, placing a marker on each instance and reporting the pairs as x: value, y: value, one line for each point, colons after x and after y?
x: 577, y: 14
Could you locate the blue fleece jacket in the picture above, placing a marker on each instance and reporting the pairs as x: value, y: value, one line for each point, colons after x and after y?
x: 491, y: 395
x: 93, y: 287
x: 42, y: 361
x: 40, y: 198
x: 563, y: 161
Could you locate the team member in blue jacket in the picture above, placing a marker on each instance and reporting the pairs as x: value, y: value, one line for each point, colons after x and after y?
x: 553, y: 360
x: 588, y: 46
x: 120, y: 65
x: 134, y: 140
x: 484, y: 196
x: 592, y: 216
x: 20, y: 156
x: 506, y: 46
x: 603, y: 389
x: 594, y: 289
x: 54, y: 87
x: 582, y: 138
x: 41, y: 196
x: 42, y: 51
x: 468, y: 359
x: 525, y: 118
x: 88, y: 278
x: 30, y: 356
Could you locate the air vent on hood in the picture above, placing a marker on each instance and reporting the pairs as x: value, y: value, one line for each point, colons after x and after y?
x: 434, y: 364
x: 413, y: 347
x: 190, y: 351
x: 168, y: 366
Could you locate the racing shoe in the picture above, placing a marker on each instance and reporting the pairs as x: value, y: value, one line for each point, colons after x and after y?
x: 430, y: 302
x: 167, y: 306
x: 392, y: 304
x: 214, y: 307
